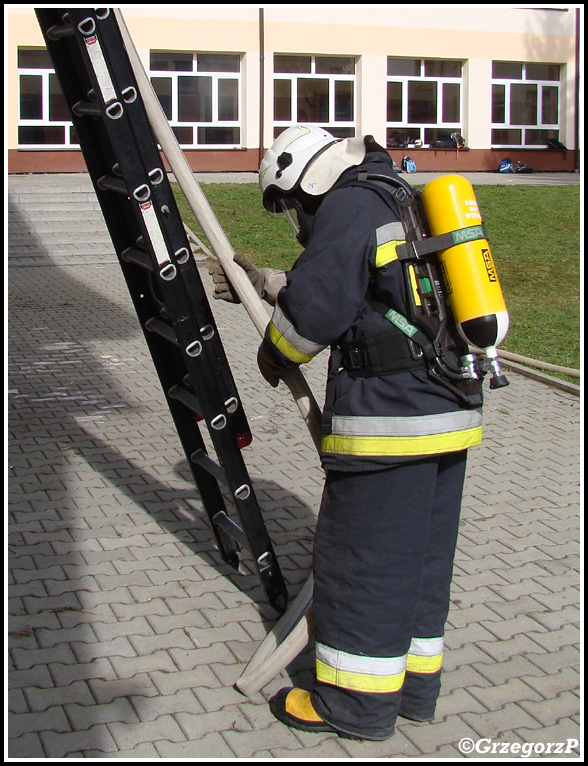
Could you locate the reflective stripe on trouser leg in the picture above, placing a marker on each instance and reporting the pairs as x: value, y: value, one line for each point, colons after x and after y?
x: 356, y: 672
x: 423, y: 673
x: 370, y: 548
x: 422, y: 679
x: 355, y: 681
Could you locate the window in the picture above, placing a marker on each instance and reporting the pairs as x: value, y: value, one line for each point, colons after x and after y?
x: 43, y: 119
x: 525, y: 103
x: 200, y: 95
x: 315, y: 90
x: 423, y: 99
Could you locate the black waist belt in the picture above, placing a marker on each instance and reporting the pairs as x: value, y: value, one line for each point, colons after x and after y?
x: 379, y: 355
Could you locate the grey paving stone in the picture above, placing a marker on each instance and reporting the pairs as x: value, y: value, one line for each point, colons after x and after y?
x: 211, y: 745
x: 70, y: 744
x: 128, y: 735
x: 25, y: 746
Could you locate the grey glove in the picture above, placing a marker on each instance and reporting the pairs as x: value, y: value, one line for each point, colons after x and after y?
x: 267, y: 282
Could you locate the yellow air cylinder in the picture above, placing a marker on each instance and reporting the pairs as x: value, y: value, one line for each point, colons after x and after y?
x: 468, y: 269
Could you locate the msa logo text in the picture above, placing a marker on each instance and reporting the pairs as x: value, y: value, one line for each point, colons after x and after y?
x: 467, y: 234
x: 489, y: 264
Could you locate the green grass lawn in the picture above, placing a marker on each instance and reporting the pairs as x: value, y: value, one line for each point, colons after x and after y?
x: 534, y: 236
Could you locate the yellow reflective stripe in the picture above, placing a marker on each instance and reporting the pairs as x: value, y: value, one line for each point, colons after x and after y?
x: 359, y: 672
x: 418, y: 664
x: 290, y: 351
x: 413, y: 284
x: 386, y: 252
x: 359, y: 682
x: 425, y: 655
x: 402, y: 445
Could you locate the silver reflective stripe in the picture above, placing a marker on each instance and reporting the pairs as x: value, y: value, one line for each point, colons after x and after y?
x: 390, y: 231
x: 155, y: 233
x: 100, y: 68
x: 422, y: 425
x: 426, y: 647
x: 289, y: 334
x: 359, y: 663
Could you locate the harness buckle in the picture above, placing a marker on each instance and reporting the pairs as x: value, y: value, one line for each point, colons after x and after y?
x: 415, y: 350
x: 355, y: 359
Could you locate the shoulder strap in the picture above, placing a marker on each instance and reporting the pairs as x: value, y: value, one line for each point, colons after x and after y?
x: 403, y: 195
x: 384, y: 185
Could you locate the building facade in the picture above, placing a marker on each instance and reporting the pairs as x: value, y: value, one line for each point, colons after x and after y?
x: 230, y: 78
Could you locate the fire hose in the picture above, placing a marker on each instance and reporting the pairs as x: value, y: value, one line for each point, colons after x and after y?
x: 293, y: 630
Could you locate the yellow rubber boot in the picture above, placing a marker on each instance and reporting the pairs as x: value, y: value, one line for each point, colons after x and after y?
x: 293, y: 707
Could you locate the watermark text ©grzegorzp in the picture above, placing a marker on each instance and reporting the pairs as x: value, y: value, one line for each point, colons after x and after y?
x: 485, y: 746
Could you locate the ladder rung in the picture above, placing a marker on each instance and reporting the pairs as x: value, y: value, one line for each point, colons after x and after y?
x: 83, y: 108
x: 233, y: 530
x: 114, y: 109
x: 186, y: 398
x: 109, y: 183
x: 209, y: 465
x: 59, y: 31
x: 194, y: 349
x: 138, y: 257
x: 163, y: 329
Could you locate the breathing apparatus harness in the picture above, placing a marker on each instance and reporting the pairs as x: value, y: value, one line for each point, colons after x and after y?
x: 433, y: 340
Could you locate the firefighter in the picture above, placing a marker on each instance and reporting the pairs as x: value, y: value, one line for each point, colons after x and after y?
x: 394, y: 442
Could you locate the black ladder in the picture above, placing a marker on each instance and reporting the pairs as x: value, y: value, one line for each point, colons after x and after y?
x: 126, y: 168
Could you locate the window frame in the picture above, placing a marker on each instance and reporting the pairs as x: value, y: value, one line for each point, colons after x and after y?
x: 439, y: 125
x: 552, y: 129
x: 216, y: 77
x: 339, y: 128
x: 44, y: 121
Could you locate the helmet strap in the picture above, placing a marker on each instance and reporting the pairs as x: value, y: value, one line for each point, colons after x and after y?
x: 290, y: 217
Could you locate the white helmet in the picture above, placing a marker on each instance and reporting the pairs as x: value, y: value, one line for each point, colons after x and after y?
x: 307, y: 158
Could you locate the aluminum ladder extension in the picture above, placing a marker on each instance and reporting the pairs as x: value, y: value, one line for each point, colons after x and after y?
x: 126, y: 168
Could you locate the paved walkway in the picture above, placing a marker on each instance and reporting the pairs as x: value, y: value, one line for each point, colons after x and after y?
x: 127, y: 632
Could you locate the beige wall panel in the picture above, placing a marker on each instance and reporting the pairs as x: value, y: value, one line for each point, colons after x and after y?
x: 371, y: 94
x: 190, y: 12
x: 421, y: 43
x: 477, y: 102
x: 471, y: 18
x: 250, y: 100
x: 194, y: 35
